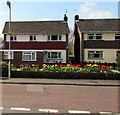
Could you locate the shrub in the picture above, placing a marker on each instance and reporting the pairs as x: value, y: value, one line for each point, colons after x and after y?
x: 4, y: 66
x: 25, y: 68
x: 118, y: 62
x: 35, y: 68
x: 13, y: 68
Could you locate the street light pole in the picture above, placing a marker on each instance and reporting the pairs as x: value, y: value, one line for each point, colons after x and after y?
x: 9, y: 54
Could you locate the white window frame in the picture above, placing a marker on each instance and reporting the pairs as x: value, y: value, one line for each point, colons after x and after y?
x: 59, y: 54
x: 117, y: 35
x: 14, y: 38
x: 33, y: 38
x: 59, y: 37
x: 94, y: 36
x: 95, y: 52
x: 26, y: 53
x: 7, y: 55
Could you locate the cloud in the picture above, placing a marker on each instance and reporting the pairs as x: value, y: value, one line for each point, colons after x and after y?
x: 99, y: 14
x: 87, y: 7
x: 89, y: 10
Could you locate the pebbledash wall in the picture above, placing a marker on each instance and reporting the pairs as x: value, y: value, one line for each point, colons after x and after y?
x: 108, y: 45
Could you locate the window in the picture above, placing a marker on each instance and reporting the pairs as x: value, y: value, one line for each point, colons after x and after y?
x: 54, y: 55
x: 118, y: 53
x: 117, y: 36
x: 94, y: 36
x: 33, y: 38
x: 95, y: 54
x: 13, y: 38
x: 7, y: 56
x: 29, y: 56
x: 54, y: 38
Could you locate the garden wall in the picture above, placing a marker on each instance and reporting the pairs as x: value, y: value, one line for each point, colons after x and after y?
x: 64, y: 75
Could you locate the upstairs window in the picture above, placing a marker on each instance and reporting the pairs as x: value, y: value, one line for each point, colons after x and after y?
x: 54, y: 38
x: 8, y: 55
x: 94, y: 36
x: 117, y: 36
x: 13, y: 38
x: 95, y: 54
x: 54, y: 55
x: 32, y: 38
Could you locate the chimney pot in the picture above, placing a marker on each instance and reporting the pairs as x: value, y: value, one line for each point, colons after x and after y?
x: 76, y: 17
x: 65, y: 18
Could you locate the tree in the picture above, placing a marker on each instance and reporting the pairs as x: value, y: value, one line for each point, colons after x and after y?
x: 71, y: 43
x: 118, y: 61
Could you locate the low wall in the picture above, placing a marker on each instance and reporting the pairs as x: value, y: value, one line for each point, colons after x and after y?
x: 64, y: 75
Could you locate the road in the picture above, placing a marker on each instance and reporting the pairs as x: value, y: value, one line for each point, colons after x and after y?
x: 59, y: 98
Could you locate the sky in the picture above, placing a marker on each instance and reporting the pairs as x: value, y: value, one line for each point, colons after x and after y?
x: 36, y: 10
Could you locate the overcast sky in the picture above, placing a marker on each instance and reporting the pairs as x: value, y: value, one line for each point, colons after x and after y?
x: 50, y: 10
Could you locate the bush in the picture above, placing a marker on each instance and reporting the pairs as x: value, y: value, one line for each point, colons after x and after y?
x: 35, y: 68
x: 4, y: 66
x: 25, y: 68
x: 118, y: 62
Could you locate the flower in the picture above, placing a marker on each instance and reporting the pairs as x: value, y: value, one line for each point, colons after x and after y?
x: 103, y: 66
x: 21, y: 65
x: 37, y: 65
x: 26, y: 64
x: 33, y: 64
x: 61, y: 65
x: 44, y: 65
x: 52, y: 66
x: 95, y: 65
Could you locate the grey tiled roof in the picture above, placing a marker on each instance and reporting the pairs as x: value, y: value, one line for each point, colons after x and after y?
x: 99, y: 25
x: 37, y: 27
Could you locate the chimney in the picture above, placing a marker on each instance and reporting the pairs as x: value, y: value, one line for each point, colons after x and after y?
x: 65, y: 18
x: 76, y: 17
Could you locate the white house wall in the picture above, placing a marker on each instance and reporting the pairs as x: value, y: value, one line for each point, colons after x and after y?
x: 26, y: 38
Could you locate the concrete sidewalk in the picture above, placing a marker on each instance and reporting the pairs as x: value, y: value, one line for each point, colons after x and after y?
x: 81, y: 82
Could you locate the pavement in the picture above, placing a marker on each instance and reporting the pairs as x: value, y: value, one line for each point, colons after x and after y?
x: 79, y: 82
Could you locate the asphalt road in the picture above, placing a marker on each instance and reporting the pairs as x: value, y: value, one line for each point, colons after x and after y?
x: 59, y: 99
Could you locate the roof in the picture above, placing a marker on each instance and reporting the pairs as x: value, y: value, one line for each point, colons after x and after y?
x: 107, y: 25
x: 37, y: 27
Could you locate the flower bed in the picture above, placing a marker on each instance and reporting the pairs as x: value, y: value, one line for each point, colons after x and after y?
x: 65, y: 71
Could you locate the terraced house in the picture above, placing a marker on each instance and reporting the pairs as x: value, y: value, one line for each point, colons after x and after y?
x: 96, y: 40
x: 37, y: 42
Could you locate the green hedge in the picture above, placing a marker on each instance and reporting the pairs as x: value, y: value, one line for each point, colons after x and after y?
x: 65, y: 75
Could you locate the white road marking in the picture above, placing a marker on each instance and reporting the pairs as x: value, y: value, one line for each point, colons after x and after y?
x: 20, y: 109
x: 77, y: 111
x: 49, y: 110
x: 105, y: 112
x: 1, y: 107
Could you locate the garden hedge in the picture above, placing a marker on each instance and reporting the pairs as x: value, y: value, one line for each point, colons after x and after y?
x: 65, y: 75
